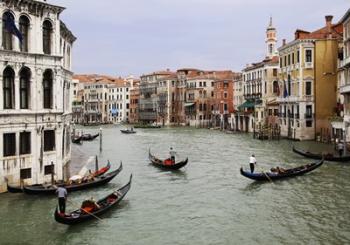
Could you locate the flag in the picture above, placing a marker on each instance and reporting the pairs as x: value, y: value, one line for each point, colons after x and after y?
x: 11, y: 27
x: 285, y: 93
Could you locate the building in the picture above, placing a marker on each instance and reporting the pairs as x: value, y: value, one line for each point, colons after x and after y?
x: 148, y: 101
x: 134, y: 102
x: 77, y: 101
x: 119, y: 101
x: 35, y: 106
x: 342, y: 131
x: 308, y: 82
x: 260, y: 89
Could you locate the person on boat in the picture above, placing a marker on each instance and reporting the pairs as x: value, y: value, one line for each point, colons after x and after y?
x: 172, y: 155
x: 62, y: 196
x: 252, y: 163
x: 132, y: 129
x: 340, y: 148
x: 90, y: 205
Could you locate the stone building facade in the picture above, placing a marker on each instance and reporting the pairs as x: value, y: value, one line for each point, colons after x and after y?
x: 35, y: 106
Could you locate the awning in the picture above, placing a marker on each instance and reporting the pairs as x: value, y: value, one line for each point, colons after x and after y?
x: 189, y: 104
x: 249, y: 104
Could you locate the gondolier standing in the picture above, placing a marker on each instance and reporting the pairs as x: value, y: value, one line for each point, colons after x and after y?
x: 172, y: 155
x: 252, y: 163
x: 62, y: 196
x: 340, y: 148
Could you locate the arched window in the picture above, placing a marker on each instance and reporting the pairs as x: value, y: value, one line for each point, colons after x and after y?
x: 271, y: 48
x: 47, y: 33
x: 24, y: 86
x: 6, y: 35
x: 47, y: 88
x: 8, y: 88
x: 68, y: 57
x: 24, y: 29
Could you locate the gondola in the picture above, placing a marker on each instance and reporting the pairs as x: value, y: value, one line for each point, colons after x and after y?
x: 89, y: 137
x: 102, y: 171
x: 328, y: 157
x: 77, y: 139
x: 105, y: 204
x: 127, y: 131
x: 50, y: 190
x: 264, y: 176
x: 162, y: 163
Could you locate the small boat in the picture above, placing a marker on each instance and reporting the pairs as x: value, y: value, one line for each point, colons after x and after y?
x: 104, y: 204
x: 264, y: 176
x: 14, y: 189
x: 51, y: 189
x: 89, y: 137
x: 317, y: 156
x: 166, y: 164
x: 77, y: 139
x: 127, y: 131
x: 102, y: 171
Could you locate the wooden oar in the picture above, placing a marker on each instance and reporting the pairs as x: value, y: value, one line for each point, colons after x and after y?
x: 267, y: 176
x: 85, y: 211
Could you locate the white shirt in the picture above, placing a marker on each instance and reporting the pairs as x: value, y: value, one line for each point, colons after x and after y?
x: 62, y: 192
x: 252, y: 160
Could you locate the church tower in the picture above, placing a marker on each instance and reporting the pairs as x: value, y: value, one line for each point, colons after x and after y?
x: 271, y: 40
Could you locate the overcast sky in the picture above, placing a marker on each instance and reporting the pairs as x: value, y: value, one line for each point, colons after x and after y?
x: 124, y: 37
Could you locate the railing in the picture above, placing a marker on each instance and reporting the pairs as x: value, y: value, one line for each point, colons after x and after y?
x: 296, y: 115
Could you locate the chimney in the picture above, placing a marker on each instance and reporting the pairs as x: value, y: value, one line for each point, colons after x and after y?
x: 284, y: 42
x: 329, y: 19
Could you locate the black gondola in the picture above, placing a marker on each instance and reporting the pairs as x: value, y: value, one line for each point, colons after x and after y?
x: 18, y: 189
x: 89, y: 137
x: 264, y: 176
x: 328, y: 157
x: 50, y: 190
x: 105, y: 204
x: 162, y: 164
x: 127, y: 131
x: 77, y: 139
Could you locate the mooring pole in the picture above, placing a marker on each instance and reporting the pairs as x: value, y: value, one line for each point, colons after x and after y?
x: 96, y: 163
x: 100, y: 139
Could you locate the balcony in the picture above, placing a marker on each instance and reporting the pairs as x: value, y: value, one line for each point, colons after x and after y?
x: 345, y: 89
x: 309, y: 65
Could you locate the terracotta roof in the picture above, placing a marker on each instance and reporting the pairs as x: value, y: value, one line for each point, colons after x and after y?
x: 96, y: 78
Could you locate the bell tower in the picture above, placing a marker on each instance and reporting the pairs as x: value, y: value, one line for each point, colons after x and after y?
x: 271, y: 40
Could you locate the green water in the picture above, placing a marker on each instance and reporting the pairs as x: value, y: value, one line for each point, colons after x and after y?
x: 208, y: 202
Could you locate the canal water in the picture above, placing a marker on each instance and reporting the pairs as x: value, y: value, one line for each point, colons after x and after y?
x: 208, y: 202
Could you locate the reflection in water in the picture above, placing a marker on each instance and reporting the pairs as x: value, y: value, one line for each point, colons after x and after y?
x: 207, y: 202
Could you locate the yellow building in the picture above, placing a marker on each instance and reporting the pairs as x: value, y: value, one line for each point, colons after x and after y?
x: 308, y: 82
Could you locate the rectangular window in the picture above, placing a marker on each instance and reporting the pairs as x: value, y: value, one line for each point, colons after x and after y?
x: 26, y: 173
x: 24, y: 143
x: 49, y: 140
x: 49, y: 169
x: 298, y: 58
x: 308, y: 88
x: 9, y: 144
x: 308, y: 55
x: 225, y: 95
x: 225, y: 107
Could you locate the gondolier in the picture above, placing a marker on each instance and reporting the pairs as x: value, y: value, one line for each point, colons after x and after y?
x: 62, y: 196
x: 252, y: 163
x: 172, y: 155
x: 340, y: 148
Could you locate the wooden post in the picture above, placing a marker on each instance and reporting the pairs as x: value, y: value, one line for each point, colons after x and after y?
x: 96, y: 164
x: 100, y: 139
x: 52, y: 173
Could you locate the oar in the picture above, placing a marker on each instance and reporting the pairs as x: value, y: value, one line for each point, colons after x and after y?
x: 86, y: 211
x: 267, y: 176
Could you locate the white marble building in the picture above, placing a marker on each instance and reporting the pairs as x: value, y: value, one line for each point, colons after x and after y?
x: 35, y: 106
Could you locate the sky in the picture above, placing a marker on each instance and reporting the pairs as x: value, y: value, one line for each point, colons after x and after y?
x: 135, y: 37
